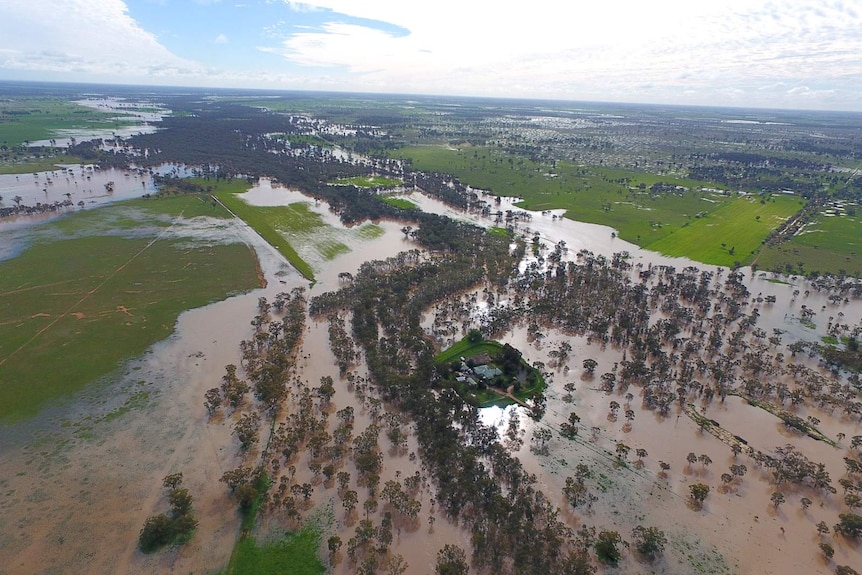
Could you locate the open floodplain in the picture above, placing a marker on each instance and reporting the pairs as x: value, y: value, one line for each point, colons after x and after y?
x: 282, y: 344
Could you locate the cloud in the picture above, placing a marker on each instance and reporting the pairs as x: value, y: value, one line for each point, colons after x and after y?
x: 723, y: 51
x: 95, y: 37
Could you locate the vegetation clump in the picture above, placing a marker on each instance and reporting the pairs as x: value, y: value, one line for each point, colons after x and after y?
x: 174, y: 527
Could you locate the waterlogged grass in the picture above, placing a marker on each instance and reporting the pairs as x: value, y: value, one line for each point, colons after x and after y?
x: 272, y: 222
x: 367, y: 182
x: 10, y: 164
x: 72, y: 310
x: 400, y: 203
x: 731, y: 233
x: 370, y: 231
x: 294, y: 554
x: 612, y: 197
x: 31, y: 119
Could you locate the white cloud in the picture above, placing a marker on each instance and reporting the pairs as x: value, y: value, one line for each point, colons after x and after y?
x: 566, y: 50
x: 93, y: 37
x: 722, y: 51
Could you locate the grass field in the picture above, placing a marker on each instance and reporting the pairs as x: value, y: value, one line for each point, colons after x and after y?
x: 274, y: 223
x: 732, y: 233
x: 285, y: 227
x: 591, y: 194
x: 295, y: 554
x: 829, y: 244
x: 688, y: 221
x: 401, y: 203
x: 31, y: 119
x: 71, y: 310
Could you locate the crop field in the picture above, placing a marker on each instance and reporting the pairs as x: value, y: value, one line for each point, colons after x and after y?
x: 72, y: 309
x: 27, y: 120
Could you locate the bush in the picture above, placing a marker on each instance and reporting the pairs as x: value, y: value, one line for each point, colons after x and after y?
x: 158, y: 531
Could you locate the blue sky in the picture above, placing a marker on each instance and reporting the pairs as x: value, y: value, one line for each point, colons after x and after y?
x: 766, y: 53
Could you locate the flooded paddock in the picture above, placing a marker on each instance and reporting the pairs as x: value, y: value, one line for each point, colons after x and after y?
x: 78, y: 486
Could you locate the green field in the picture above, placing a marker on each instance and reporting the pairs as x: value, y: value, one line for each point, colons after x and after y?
x: 829, y: 244
x: 295, y: 554
x: 287, y: 226
x: 31, y: 119
x: 275, y: 224
x: 74, y: 307
x: 729, y: 234
x: 708, y: 226
x: 400, y: 203
x: 598, y: 195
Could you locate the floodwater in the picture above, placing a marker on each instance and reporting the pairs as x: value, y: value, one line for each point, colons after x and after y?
x: 142, y: 115
x: 77, y: 490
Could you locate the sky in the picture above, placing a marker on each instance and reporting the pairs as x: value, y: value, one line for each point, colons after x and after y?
x: 803, y: 54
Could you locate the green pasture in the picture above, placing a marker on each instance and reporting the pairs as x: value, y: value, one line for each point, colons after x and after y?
x: 612, y: 197
x: 687, y: 222
x: 400, y: 203
x: 72, y: 309
x: 828, y: 244
x: 295, y: 554
x: 732, y: 233
x: 31, y: 119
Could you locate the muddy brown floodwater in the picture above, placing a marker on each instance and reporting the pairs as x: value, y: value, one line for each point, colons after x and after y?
x: 77, y: 486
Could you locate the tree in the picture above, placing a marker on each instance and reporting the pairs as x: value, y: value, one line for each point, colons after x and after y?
x: 451, y: 560
x: 699, y: 491
x: 649, y: 541
x: 213, y: 400
x: 777, y: 498
x: 845, y: 570
x: 333, y: 544
x: 158, y: 531
x: 590, y: 365
x: 850, y: 525
x: 607, y: 547
x: 806, y: 503
x: 622, y: 450
x: 827, y: 549
x: 691, y: 458
x: 822, y: 528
